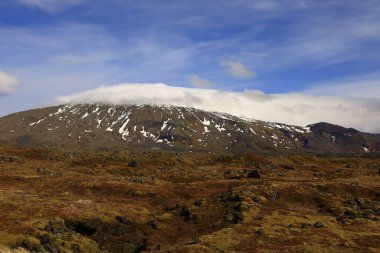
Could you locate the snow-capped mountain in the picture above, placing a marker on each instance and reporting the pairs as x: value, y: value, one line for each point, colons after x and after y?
x: 103, y: 127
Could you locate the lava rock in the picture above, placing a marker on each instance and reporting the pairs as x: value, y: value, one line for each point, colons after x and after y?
x: 185, y: 212
x: 152, y: 224
x: 237, y: 217
x: 257, y: 199
x: 260, y: 232
x: 31, y: 245
x: 288, y: 167
x: 139, y: 180
x: 275, y: 194
x: 48, y: 243
x: 42, y: 170
x: 198, y: 202
x: 75, y: 248
x: 134, y: 164
x: 56, y: 226
x: 318, y: 224
x: 123, y: 220
x: 254, y: 174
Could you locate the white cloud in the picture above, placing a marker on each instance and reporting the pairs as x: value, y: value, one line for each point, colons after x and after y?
x: 199, y: 82
x: 52, y: 5
x: 297, y: 109
x: 7, y: 83
x: 238, y: 69
x: 362, y: 86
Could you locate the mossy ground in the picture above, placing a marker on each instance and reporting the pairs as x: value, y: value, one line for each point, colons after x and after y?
x: 183, y: 202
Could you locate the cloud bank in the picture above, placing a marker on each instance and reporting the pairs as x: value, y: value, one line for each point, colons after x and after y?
x: 293, y: 108
x: 8, y: 83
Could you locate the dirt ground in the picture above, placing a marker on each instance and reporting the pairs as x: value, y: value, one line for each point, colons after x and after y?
x: 134, y: 201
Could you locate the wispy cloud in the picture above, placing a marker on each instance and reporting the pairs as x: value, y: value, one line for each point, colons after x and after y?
x: 199, y: 82
x: 298, y: 109
x: 238, y: 69
x: 314, y: 37
x: 69, y: 57
x: 51, y: 5
x: 264, y: 5
x: 367, y: 86
x: 8, y: 83
x: 276, y: 5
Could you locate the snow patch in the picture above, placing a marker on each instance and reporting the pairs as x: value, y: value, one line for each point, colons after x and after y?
x: 205, y: 122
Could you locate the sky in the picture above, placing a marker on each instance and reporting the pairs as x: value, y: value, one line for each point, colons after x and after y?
x: 290, y: 61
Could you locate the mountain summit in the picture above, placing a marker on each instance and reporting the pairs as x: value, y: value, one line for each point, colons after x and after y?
x: 107, y: 127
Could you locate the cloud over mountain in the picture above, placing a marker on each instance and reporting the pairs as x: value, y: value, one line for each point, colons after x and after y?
x: 292, y: 108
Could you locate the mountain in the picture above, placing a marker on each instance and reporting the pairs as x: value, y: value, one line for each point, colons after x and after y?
x: 108, y: 127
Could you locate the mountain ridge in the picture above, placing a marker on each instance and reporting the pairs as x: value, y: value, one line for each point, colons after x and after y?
x: 101, y: 126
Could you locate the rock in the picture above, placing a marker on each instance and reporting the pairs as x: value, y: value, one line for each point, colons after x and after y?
x: 256, y: 199
x: 260, y: 232
x: 378, y: 172
x: 288, y: 167
x: 359, y: 201
x: 42, y: 170
x: 152, y: 224
x: 233, y: 174
x: 75, y: 248
x: 185, y: 212
x: 237, y: 217
x: 123, y: 220
x: 134, y: 164
x: 303, y: 225
x: 321, y: 188
x: 48, y: 243
x: 86, y: 227
x: 139, y: 180
x: 9, y: 158
x: 32, y: 244
x: 198, y: 202
x: 238, y: 207
x: 318, y: 224
x: 56, y: 226
x: 230, y: 197
x: 351, y: 202
x: 350, y: 214
x: 254, y: 174
x: 194, y: 240
x: 275, y: 194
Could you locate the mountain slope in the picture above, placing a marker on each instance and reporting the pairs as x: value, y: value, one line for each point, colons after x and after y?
x: 98, y: 126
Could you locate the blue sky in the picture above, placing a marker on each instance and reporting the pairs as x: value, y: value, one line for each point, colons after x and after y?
x: 53, y: 48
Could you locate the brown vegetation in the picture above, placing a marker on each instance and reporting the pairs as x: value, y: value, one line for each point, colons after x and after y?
x: 66, y: 201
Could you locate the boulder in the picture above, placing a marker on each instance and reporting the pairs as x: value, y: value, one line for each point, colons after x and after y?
x: 260, y: 232
x: 318, y: 224
x: 254, y: 174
